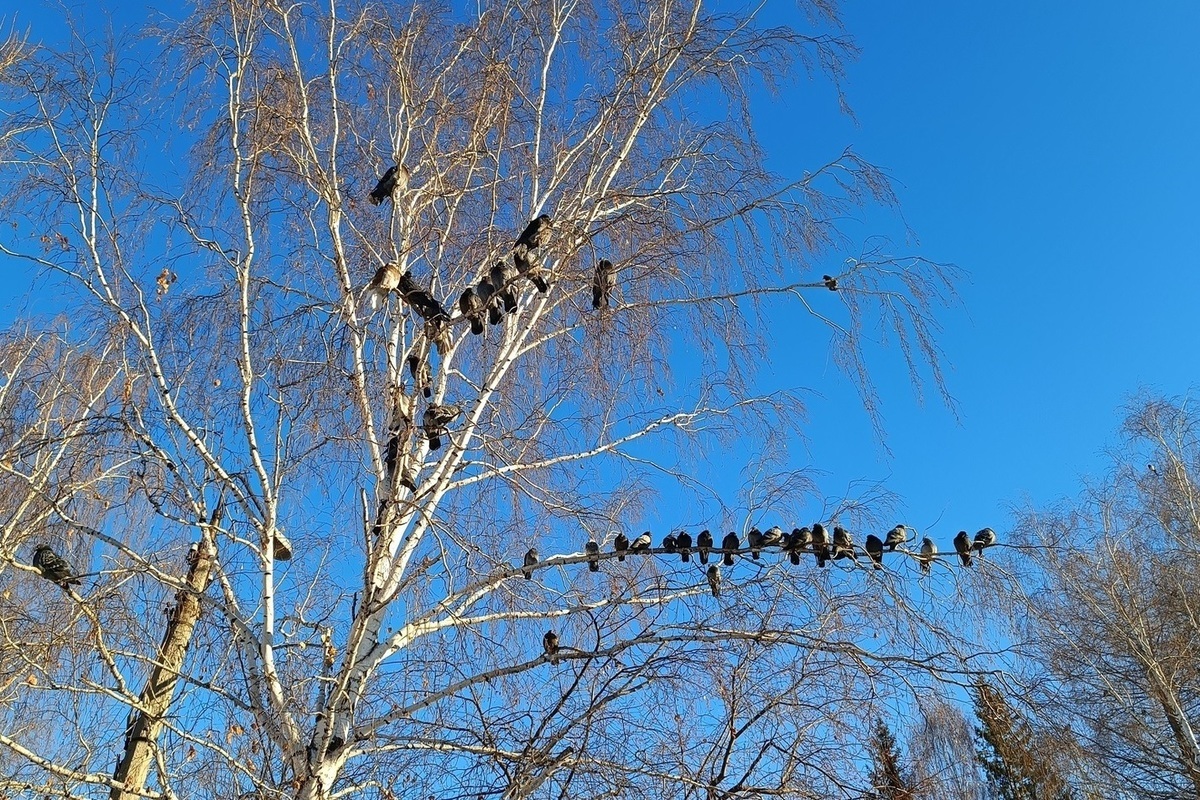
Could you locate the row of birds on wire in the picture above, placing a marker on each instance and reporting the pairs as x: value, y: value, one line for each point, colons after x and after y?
x: 814, y: 540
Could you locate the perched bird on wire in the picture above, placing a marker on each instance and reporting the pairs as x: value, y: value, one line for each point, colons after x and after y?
x: 875, y: 550
x: 669, y: 544
x: 754, y: 540
x: 797, y: 540
x: 395, y: 177
x: 730, y: 544
x: 531, y: 558
x: 985, y: 538
x: 843, y: 544
x: 704, y: 543
x: 621, y: 546
x: 714, y: 580
x: 896, y: 536
x: 683, y: 543
x: 602, y: 284
x: 641, y: 544
x: 962, y: 546
x: 820, y: 544
x: 772, y: 537
x: 830, y: 282
x: 550, y: 645
x: 54, y: 567
x: 592, y: 548
x: 928, y: 554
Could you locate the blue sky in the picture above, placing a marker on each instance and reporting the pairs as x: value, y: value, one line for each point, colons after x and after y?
x: 1048, y: 150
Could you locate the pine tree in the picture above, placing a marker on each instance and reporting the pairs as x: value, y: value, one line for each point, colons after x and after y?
x: 1010, y: 754
x: 888, y: 780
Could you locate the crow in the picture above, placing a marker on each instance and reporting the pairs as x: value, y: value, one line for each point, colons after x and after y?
x: 928, y: 553
x: 754, y: 540
x: 985, y: 538
x: 426, y: 305
x: 684, y: 544
x: 486, y: 292
x: 843, y: 544
x: 641, y: 544
x: 531, y: 558
x: 669, y: 543
x: 53, y: 567
x: 714, y: 580
x: 593, y: 551
x: 962, y: 546
x: 602, y: 284
x: 472, y: 307
x: 529, y: 265
x: 799, y: 539
x: 730, y: 544
x: 435, y: 420
x: 621, y: 546
x: 395, y: 177
x: 421, y: 373
x: 830, y: 282
x: 502, y: 276
x: 896, y: 536
x: 704, y: 543
x: 550, y: 645
x: 773, y: 537
x: 537, y: 232
x: 875, y: 550
x: 820, y: 544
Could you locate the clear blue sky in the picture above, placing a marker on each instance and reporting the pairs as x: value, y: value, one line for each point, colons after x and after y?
x: 1050, y: 150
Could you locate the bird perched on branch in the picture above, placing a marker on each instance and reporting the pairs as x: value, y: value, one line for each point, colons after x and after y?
x: 385, y: 281
x: 395, y: 177
x: 602, y: 283
x: 683, y: 543
x: 875, y: 550
x: 592, y: 548
x: 843, y: 544
x: 797, y: 540
x: 985, y: 538
x: 928, y: 554
x: 472, y: 307
x: 714, y: 580
x: 730, y: 544
x: 830, y: 282
x: 896, y: 536
x: 772, y: 537
x: 962, y: 546
x: 621, y: 546
x: 704, y: 543
x: 530, y: 265
x: 641, y: 544
x: 435, y: 420
x: 502, y: 276
x: 537, y: 232
x: 669, y: 543
x: 54, y: 567
x: 754, y: 540
x: 820, y: 544
x: 550, y: 645
x: 531, y: 558
x: 422, y: 375
x: 486, y: 292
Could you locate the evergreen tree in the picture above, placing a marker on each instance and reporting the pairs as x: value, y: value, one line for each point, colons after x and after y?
x: 888, y: 780
x: 1013, y: 761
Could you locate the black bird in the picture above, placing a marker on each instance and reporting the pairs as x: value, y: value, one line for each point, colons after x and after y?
x: 502, y: 276
x: 621, y: 546
x: 472, y: 307
x: 714, y: 580
x: 820, y: 544
x: 550, y: 645
x: 962, y: 546
x: 799, y: 539
x: 754, y: 540
x: 602, y: 284
x: 53, y: 567
x: 531, y: 558
x: 537, y: 232
x: 773, y: 537
x: 641, y: 544
x: 730, y: 544
x: 435, y: 420
x: 985, y: 538
x: 843, y: 544
x: 875, y: 550
x: 669, y: 543
x: 896, y: 536
x: 593, y: 551
x: 426, y: 305
x: 422, y: 375
x: 486, y: 292
x: 530, y: 265
x: 393, y: 450
x: 830, y: 282
x: 683, y: 542
x: 704, y: 544
x: 395, y: 176
x: 928, y: 553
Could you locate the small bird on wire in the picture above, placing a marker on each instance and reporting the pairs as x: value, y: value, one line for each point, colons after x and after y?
x: 928, y: 554
x: 54, y: 567
x: 830, y: 282
x: 875, y: 550
x: 669, y: 544
x: 531, y: 558
x: 621, y: 546
x: 896, y: 536
x: 962, y: 546
x: 772, y: 537
x: 592, y: 548
x: 984, y: 539
x: 797, y: 540
x: 641, y: 544
x: 704, y: 543
x: 820, y: 544
x: 714, y: 579
x: 683, y: 543
x: 843, y: 544
x: 730, y: 544
x: 754, y: 540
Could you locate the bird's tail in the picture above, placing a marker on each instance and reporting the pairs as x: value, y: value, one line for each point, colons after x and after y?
x: 685, y: 556
x: 593, y: 566
x: 794, y: 557
x: 728, y: 559
x: 703, y: 556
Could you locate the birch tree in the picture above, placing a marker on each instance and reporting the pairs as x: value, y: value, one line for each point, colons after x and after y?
x: 346, y: 606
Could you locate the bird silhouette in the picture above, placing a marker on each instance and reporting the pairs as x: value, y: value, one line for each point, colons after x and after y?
x: 529, y: 264
x: 714, y: 580
x: 985, y: 538
x: 472, y: 307
x: 421, y: 373
x: 683, y: 543
x: 797, y: 540
x: 550, y: 645
x: 54, y: 567
x: 502, y: 277
x: 621, y: 546
x: 396, y: 176
x: 602, y: 284
x: 730, y: 544
x: 754, y: 540
x: 537, y: 232
x: 875, y: 550
x: 820, y: 544
x: 641, y: 544
x: 669, y: 543
x: 843, y: 544
x: 704, y: 543
x: 435, y: 420
x: 592, y: 548
x: 773, y: 537
x: 830, y: 282
x: 486, y: 293
x: 531, y: 558
x: 962, y: 546
x: 896, y: 536
x: 928, y: 553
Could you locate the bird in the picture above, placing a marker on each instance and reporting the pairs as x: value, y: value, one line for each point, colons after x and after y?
x: 985, y: 538
x: 550, y: 644
x: 502, y: 276
x: 537, y: 232
x: 928, y: 552
x: 875, y: 550
x: 797, y: 540
x: 54, y: 567
x: 820, y: 544
x: 641, y: 544
x: 529, y: 265
x: 896, y: 536
x: 669, y: 543
x: 621, y: 546
x: 531, y: 558
x: 385, y: 281
x: 683, y: 542
x: 843, y: 544
x: 602, y: 284
x: 772, y: 537
x: 434, y: 422
x: 396, y: 176
x: 730, y: 544
x: 421, y: 373
x: 426, y: 305
x: 830, y: 282
x: 704, y: 543
x: 472, y: 307
x: 593, y: 551
x: 391, y: 453
x: 962, y: 546
x: 714, y: 580
x: 486, y: 292
x: 754, y: 540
